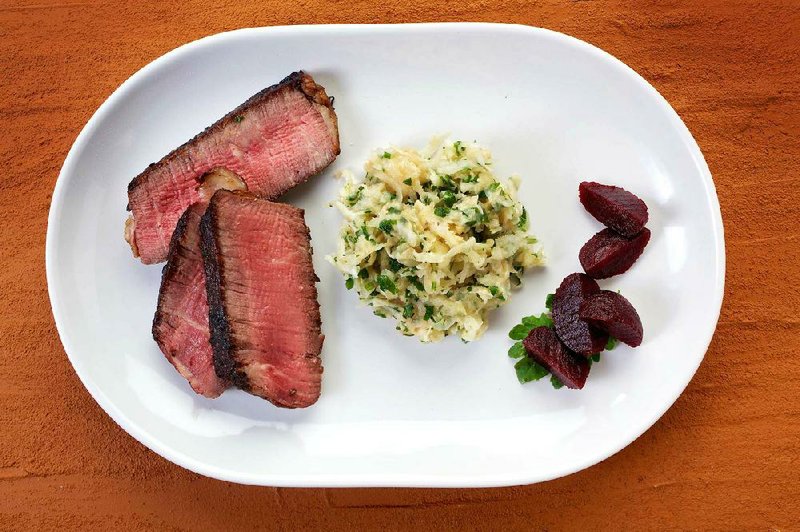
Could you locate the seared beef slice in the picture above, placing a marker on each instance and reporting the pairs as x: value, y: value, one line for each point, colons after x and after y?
x: 180, y: 326
x: 275, y: 140
x: 264, y: 315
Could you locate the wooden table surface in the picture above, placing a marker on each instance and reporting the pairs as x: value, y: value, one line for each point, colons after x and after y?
x: 725, y: 456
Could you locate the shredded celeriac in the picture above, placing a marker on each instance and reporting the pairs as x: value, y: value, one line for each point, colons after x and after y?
x: 433, y: 239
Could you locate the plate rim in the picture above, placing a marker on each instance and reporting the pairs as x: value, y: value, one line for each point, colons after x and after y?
x: 372, y: 479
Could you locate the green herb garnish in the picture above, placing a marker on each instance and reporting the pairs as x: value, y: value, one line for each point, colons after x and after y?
x: 447, y: 183
x: 387, y: 225
x: 542, y: 320
x: 353, y: 198
x: 556, y: 382
x: 519, y: 332
x: 528, y: 370
x: 477, y: 217
x: 428, y: 312
x: 441, y: 211
x: 416, y: 283
x: 448, y: 198
x: 386, y: 284
x: 386, y: 155
x: 517, y: 350
x: 349, y: 283
x: 523, y: 219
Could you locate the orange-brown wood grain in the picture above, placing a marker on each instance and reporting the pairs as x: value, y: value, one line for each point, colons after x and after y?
x: 725, y: 456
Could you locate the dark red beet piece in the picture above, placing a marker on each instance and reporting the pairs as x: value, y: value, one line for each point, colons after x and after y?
x: 608, y: 253
x: 544, y: 347
x: 614, y: 207
x: 614, y: 314
x: 576, y: 334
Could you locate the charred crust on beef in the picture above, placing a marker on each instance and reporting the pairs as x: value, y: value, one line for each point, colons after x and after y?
x: 297, y: 80
x: 224, y: 364
x: 169, y: 269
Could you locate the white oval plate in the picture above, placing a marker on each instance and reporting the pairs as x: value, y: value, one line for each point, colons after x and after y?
x: 394, y: 412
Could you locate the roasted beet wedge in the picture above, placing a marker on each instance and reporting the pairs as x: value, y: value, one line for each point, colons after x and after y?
x: 544, y: 347
x: 614, y: 207
x: 576, y: 334
x: 608, y: 253
x: 614, y: 314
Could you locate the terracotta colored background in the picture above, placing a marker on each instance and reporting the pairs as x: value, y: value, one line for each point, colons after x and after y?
x: 725, y: 456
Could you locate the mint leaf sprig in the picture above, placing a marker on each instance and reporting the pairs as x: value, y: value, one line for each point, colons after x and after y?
x: 528, y: 323
x: 528, y: 369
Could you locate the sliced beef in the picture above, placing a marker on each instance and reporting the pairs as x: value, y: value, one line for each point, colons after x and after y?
x: 576, y: 334
x: 180, y: 326
x: 614, y: 314
x: 264, y: 315
x: 544, y: 347
x: 614, y: 207
x: 273, y: 141
x: 608, y: 253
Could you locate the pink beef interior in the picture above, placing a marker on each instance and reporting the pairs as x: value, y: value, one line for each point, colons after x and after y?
x: 180, y: 326
x: 268, y: 296
x: 277, y: 139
